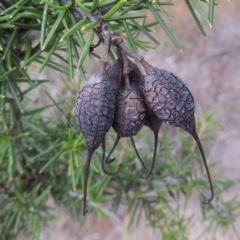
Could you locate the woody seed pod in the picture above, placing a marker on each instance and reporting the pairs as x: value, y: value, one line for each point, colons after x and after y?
x: 151, y: 121
x: 94, y: 111
x: 130, y: 110
x: 171, y: 101
x: 130, y: 107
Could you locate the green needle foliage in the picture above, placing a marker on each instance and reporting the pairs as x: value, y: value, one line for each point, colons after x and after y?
x: 42, y: 152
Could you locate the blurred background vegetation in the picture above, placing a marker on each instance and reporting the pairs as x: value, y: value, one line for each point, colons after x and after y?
x: 42, y: 152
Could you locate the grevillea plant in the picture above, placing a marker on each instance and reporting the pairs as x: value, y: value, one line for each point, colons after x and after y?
x: 43, y: 154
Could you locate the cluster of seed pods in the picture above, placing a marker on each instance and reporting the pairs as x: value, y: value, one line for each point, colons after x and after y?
x: 123, y: 98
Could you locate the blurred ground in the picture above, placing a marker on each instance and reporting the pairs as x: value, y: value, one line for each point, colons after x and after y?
x: 211, y: 69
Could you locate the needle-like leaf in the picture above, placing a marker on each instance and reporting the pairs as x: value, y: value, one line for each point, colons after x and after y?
x: 43, y: 26
x: 85, y: 50
x: 129, y: 35
x: 73, y: 29
x: 201, y: 11
x: 163, y: 24
x: 211, y: 11
x: 195, y: 17
x: 52, y: 34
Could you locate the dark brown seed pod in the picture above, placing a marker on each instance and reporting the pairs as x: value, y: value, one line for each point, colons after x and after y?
x: 171, y: 101
x: 95, y: 106
x: 115, y: 74
x: 94, y: 112
x: 130, y: 110
x: 169, y: 98
x: 151, y: 121
x: 130, y: 107
x: 154, y: 123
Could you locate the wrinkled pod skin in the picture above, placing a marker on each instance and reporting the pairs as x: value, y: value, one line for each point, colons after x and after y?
x: 94, y: 114
x: 171, y: 101
x: 95, y: 107
x: 169, y: 98
x: 130, y: 106
x: 130, y: 109
x: 151, y: 121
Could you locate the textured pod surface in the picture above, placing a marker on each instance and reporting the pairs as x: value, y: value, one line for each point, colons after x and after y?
x: 95, y: 107
x: 130, y: 107
x: 130, y: 110
x: 169, y: 98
